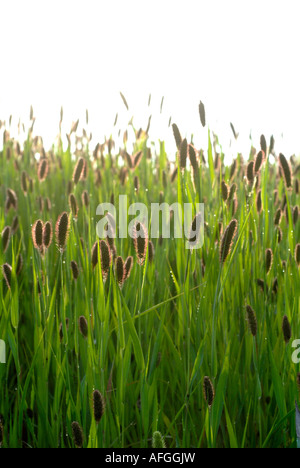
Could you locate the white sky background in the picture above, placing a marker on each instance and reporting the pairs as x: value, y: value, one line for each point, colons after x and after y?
x: 240, y: 58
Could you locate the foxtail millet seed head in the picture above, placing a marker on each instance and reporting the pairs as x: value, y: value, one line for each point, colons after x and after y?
x: 43, y: 169
x: 158, y: 442
x: 62, y: 230
x: 224, y: 190
x: 73, y: 205
x: 74, y: 269
x: 6, y: 233
x: 140, y: 240
x: 286, y: 171
x: 202, y: 114
x: 297, y: 254
x: 12, y: 196
x: 177, y: 136
x: 258, y: 202
x: 269, y: 260
x: 279, y: 234
x: 251, y: 318
x: 105, y: 258
x: 208, y: 391
x: 128, y: 266
x: 6, y: 271
x: 277, y: 217
x: 286, y: 328
x: 77, y: 434
x: 259, y: 159
x: 120, y: 271
x: 151, y: 251
x: 78, y: 170
x: 193, y: 158
x: 37, y: 234
x: 47, y: 234
x: 227, y: 240
x: 233, y: 169
x: 83, y: 326
x: 263, y: 144
x: 250, y: 172
x: 98, y: 406
x: 295, y: 215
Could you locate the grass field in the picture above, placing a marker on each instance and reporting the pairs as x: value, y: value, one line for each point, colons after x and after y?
x: 195, y: 344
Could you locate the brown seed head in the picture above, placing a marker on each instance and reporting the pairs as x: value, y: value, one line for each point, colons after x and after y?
x: 297, y: 254
x: 269, y: 260
x: 128, y: 267
x: 77, y: 434
x: 120, y: 271
x: 286, y: 328
x: 183, y: 154
x: 83, y: 326
x: 37, y: 234
x: 43, y: 169
x: 78, y: 170
x: 208, y: 391
x: 6, y: 233
x: 73, y: 205
x: 177, y: 136
x: 202, y: 113
x: 98, y: 406
x: 75, y: 269
x: 224, y: 190
x: 140, y: 240
x: 47, y: 234
x: 62, y: 230
x: 251, y: 317
x: 286, y: 171
x: 6, y: 270
x: 227, y: 239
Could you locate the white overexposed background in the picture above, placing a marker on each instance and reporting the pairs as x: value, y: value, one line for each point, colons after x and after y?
x: 239, y: 57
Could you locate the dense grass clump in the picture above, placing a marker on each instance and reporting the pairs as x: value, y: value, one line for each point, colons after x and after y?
x: 110, y: 342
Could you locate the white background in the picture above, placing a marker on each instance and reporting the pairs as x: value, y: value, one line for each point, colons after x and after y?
x: 241, y: 58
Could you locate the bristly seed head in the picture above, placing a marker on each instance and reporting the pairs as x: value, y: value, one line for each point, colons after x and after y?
x: 78, y: 170
x: 6, y: 233
x: 158, y: 442
x: 269, y: 260
x: 75, y: 269
x: 83, y: 326
x: 37, y: 234
x: 62, y: 230
x: 128, y: 267
x: 6, y: 270
x: 297, y: 254
x: 120, y: 271
x: 208, y: 391
x: 43, y: 169
x: 202, y: 114
x: 98, y: 406
x: 47, y: 234
x: 73, y: 205
x: 151, y: 251
x: 177, y: 136
x: 227, y: 239
x: 286, y: 171
x: 224, y: 190
x: 140, y: 239
x: 77, y: 434
x: 286, y: 328
x: 251, y: 317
